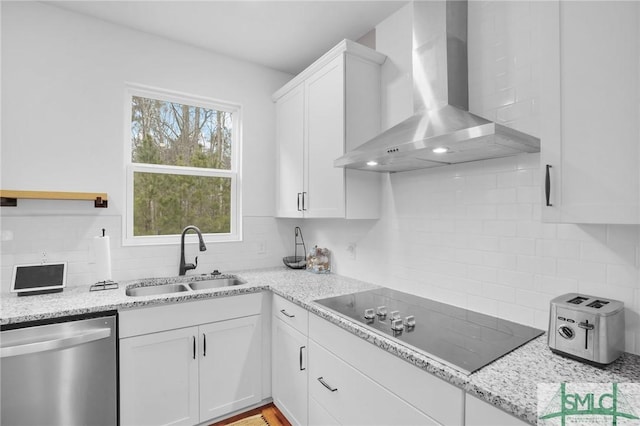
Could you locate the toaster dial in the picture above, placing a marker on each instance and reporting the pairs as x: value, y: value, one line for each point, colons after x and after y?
x: 566, y: 332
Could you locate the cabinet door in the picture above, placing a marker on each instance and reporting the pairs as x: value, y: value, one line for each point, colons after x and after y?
x: 289, y: 372
x: 590, y: 98
x: 159, y: 378
x: 290, y: 142
x: 230, y: 366
x: 324, y: 184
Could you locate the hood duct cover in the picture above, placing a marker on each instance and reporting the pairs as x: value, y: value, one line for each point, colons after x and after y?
x: 441, y: 103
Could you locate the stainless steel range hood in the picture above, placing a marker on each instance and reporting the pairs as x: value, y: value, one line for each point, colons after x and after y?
x: 442, y: 131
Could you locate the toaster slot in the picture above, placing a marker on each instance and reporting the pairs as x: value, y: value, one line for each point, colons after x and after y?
x: 578, y: 300
x: 597, y: 304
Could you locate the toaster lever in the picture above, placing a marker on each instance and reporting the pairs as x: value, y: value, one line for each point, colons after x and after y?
x: 586, y: 325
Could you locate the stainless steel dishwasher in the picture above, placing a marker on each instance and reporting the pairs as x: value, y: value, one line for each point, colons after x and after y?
x: 64, y: 373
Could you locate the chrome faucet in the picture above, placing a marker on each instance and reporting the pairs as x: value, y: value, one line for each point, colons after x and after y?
x: 184, y: 267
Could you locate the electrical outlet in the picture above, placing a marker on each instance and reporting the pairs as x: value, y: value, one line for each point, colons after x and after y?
x: 351, y: 249
x: 44, y: 257
x: 262, y: 247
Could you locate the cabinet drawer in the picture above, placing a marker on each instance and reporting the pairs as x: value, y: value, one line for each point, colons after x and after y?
x: 353, y: 398
x: 433, y: 396
x: 292, y: 314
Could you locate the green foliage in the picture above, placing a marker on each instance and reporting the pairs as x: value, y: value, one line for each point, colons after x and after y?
x: 180, y: 135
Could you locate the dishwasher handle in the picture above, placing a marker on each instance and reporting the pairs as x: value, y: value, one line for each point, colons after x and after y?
x: 56, y: 344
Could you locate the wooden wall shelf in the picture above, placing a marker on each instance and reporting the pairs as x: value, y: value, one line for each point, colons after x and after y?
x: 9, y: 198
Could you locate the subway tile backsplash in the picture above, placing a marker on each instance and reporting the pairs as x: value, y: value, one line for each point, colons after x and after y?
x: 454, y: 250
x: 33, y: 238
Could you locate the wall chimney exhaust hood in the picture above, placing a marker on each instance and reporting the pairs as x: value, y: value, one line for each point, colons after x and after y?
x: 442, y: 131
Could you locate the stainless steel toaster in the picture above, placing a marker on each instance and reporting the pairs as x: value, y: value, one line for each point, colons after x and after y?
x: 586, y: 328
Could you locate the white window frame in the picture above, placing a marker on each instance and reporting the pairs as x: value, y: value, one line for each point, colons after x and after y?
x: 234, y: 173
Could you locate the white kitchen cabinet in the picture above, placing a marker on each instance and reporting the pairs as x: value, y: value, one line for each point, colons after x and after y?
x: 331, y: 107
x: 289, y: 368
x: 207, y: 366
x: 480, y: 413
x: 353, y: 398
x: 229, y: 366
x: 590, y: 112
x: 159, y: 379
x: 290, y: 133
x: 365, y: 376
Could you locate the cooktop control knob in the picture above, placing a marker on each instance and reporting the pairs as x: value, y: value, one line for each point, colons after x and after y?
x: 394, y: 315
x: 410, y: 322
x: 566, y: 332
x: 382, y: 311
x: 369, y: 315
x: 397, y: 325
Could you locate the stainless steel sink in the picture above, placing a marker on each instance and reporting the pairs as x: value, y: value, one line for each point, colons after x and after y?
x: 216, y: 282
x: 156, y: 289
x: 211, y: 283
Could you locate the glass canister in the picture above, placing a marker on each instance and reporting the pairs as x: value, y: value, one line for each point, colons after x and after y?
x: 319, y: 260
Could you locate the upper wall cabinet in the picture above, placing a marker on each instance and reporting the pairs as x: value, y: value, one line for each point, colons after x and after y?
x: 331, y: 107
x: 590, y: 112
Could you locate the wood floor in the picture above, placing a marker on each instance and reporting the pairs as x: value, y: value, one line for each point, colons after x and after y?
x: 270, y: 412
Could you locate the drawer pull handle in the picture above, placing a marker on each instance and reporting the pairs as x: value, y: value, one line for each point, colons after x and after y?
x: 301, y: 367
x: 204, y: 344
x: 547, y: 186
x: 286, y: 314
x: 326, y: 385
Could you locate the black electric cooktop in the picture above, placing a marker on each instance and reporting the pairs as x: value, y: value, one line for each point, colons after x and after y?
x: 463, y: 339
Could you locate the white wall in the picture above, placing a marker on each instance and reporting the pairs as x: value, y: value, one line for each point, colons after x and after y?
x: 470, y: 235
x: 63, y: 98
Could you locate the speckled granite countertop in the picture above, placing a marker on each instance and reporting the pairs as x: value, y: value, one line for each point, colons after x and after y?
x: 509, y: 383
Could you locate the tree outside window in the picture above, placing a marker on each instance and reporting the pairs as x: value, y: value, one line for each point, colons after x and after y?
x: 183, y: 167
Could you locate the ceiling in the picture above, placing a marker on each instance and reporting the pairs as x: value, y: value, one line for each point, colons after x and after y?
x: 283, y: 35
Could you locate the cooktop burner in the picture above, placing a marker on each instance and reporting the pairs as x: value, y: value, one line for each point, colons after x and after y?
x: 463, y: 339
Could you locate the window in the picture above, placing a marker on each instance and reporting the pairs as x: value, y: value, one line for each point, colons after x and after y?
x: 183, y: 167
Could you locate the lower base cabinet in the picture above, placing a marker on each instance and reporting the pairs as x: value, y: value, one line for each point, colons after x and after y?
x: 159, y: 379
x: 191, y: 374
x: 480, y: 413
x: 352, y: 398
x: 289, y: 376
x: 353, y: 383
x: 230, y: 366
x: 290, y: 360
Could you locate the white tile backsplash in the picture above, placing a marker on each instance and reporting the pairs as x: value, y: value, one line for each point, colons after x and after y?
x: 70, y: 238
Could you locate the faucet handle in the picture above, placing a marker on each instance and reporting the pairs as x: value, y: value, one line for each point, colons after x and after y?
x: 196, y: 265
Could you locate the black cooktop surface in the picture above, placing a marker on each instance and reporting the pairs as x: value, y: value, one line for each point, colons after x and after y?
x: 463, y: 339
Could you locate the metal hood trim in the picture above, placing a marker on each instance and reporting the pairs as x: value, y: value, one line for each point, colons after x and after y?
x: 440, y: 96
